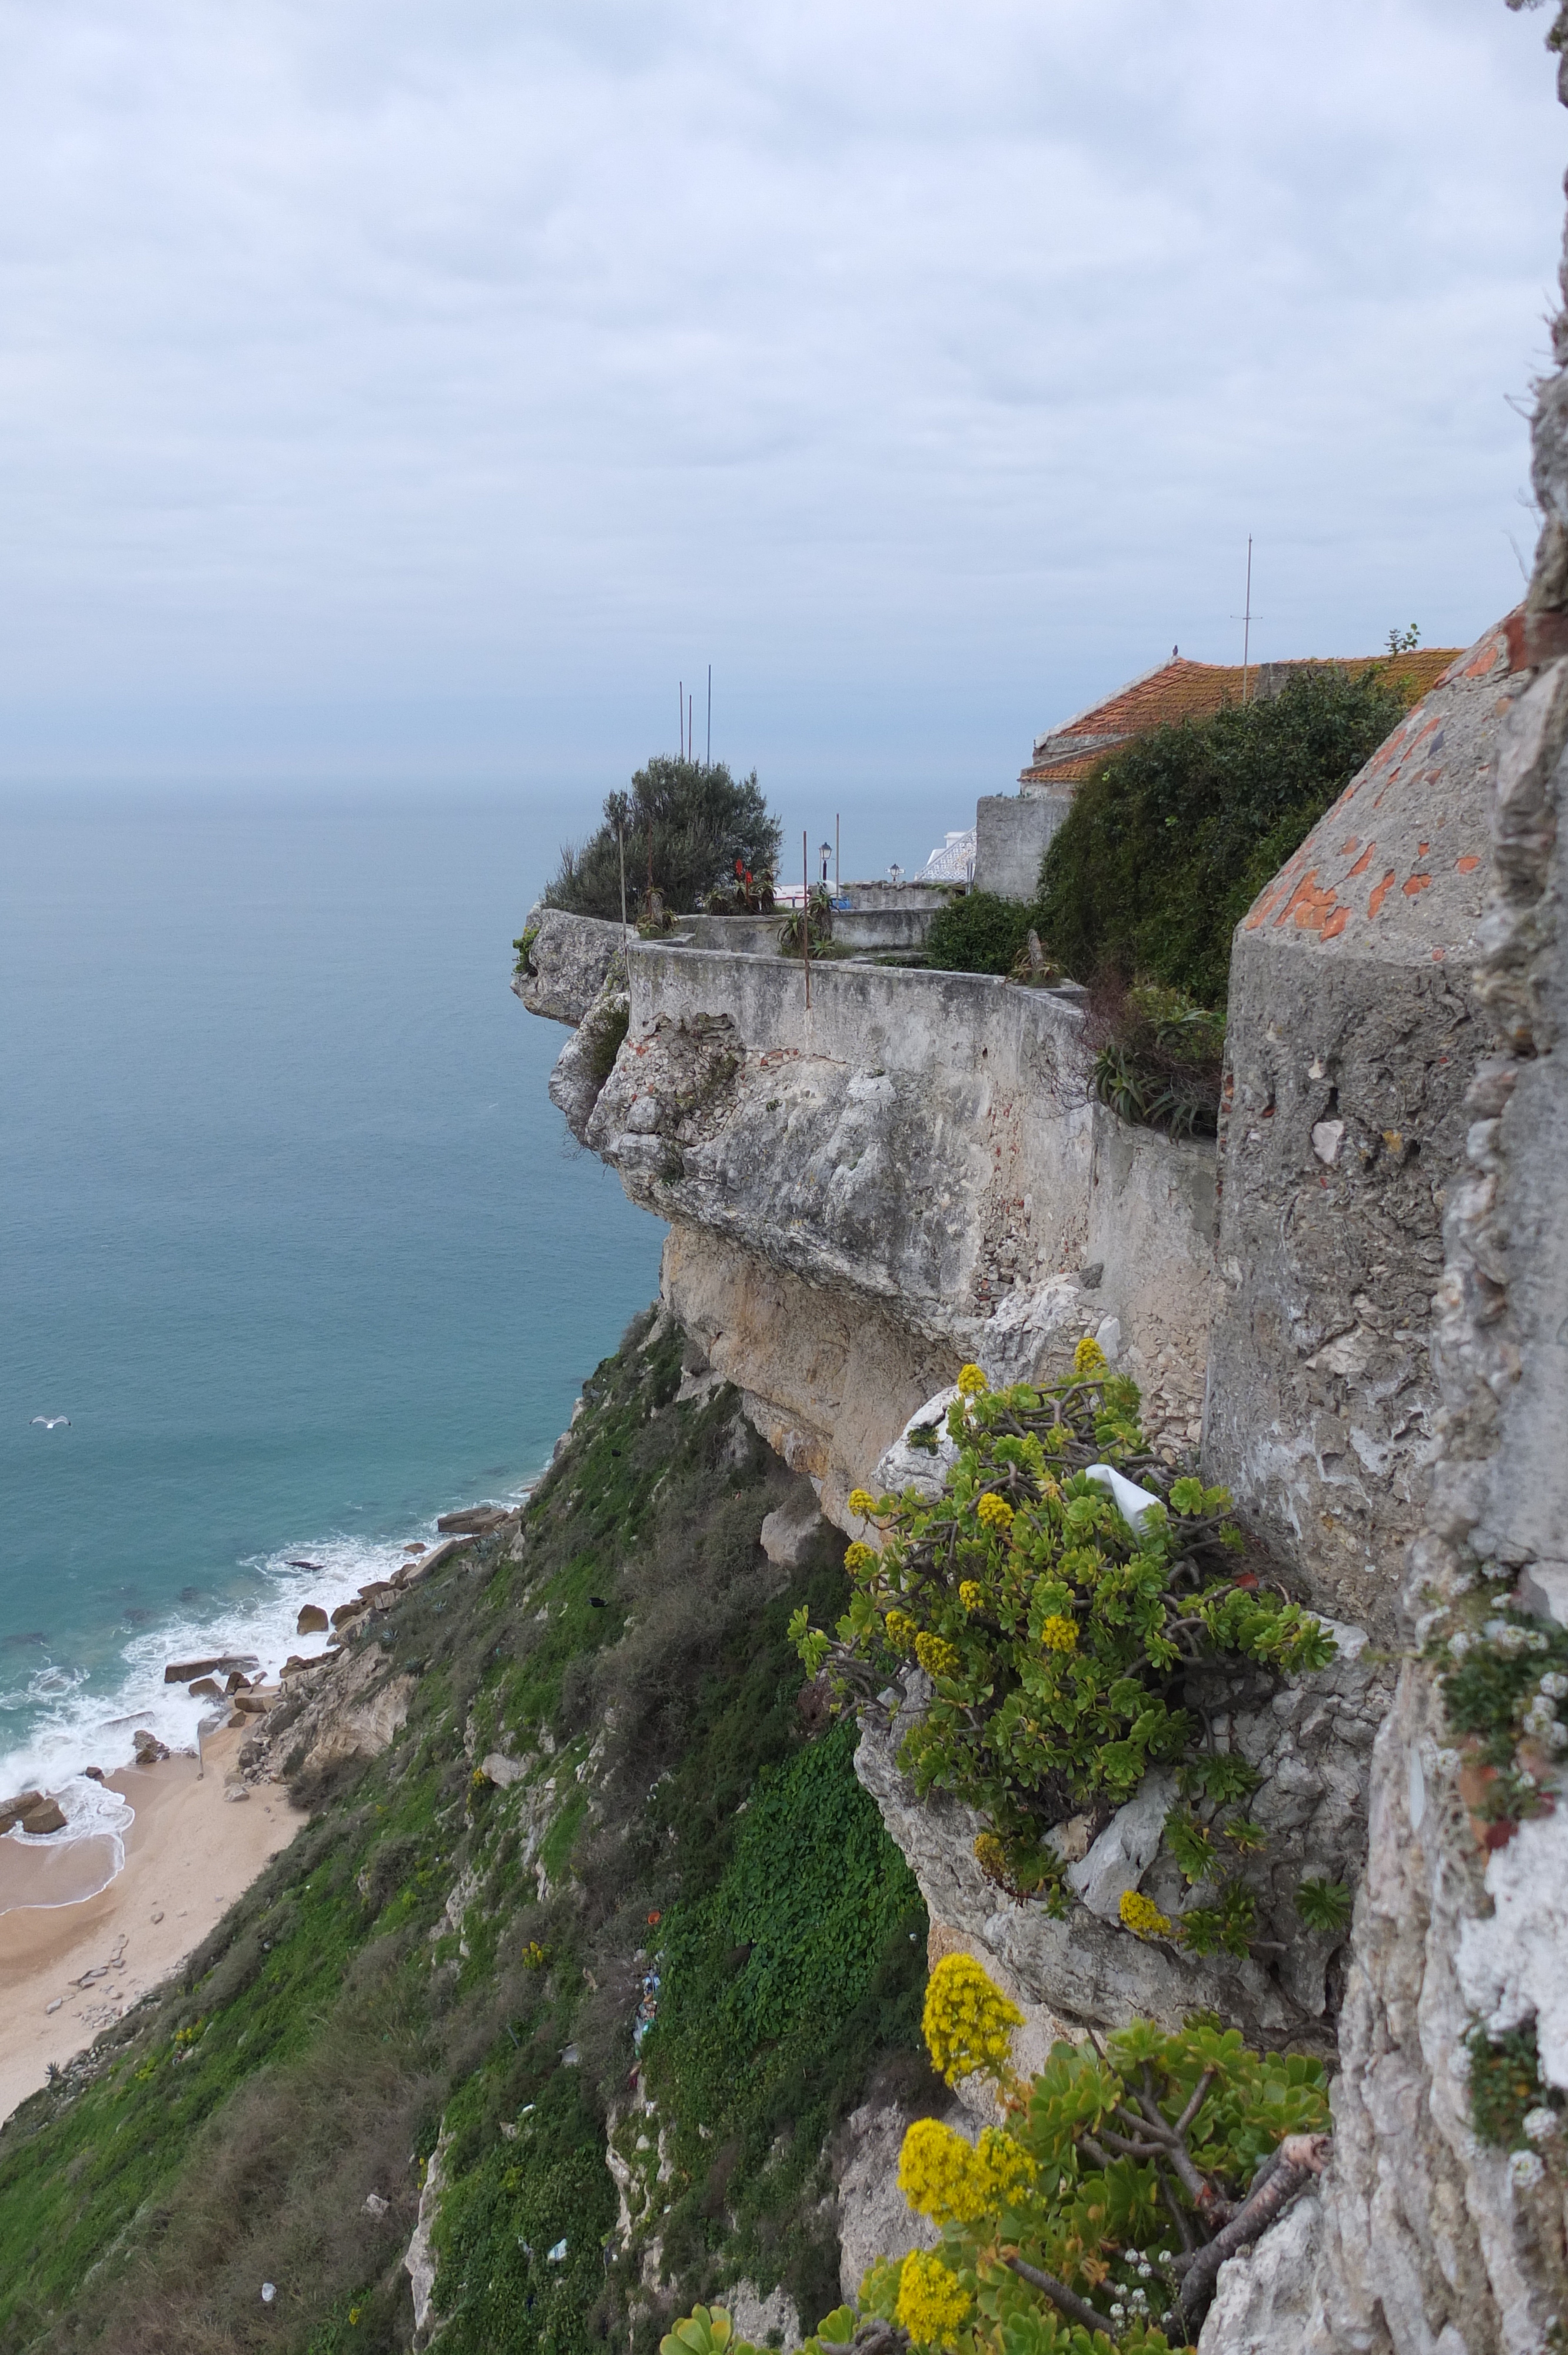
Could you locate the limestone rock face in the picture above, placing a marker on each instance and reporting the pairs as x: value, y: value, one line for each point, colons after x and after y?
x: 568, y: 960
x: 875, y: 2219
x: 1313, y: 1749
x: 355, y: 1706
x: 1354, y: 1031
x: 793, y: 1528
x: 579, y: 1074
x: 419, y: 2262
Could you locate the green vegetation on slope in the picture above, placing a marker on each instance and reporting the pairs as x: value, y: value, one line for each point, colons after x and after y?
x: 1166, y: 848
x: 434, y: 1954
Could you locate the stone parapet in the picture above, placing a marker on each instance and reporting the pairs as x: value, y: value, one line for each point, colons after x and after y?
x: 1354, y: 1032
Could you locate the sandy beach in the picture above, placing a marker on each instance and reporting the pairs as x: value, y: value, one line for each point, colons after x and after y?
x: 188, y: 1854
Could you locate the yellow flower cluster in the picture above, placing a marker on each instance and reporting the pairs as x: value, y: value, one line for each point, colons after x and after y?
x: 965, y: 2021
x: 1088, y: 1357
x: 936, y: 1657
x: 1142, y: 1916
x: 859, y: 1558
x: 971, y: 1594
x: 933, y: 2304
x: 991, y: 1856
x: 862, y: 1502
x: 994, y: 1513
x: 972, y: 1381
x: 901, y: 1630
x: 1059, y: 1634
x: 954, y: 2182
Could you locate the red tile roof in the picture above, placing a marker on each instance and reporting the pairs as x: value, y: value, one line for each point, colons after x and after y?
x: 1180, y: 689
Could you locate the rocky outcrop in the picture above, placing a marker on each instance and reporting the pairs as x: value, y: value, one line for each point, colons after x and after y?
x: 1354, y: 1032
x: 1311, y: 1742
x: 352, y: 1710
x: 864, y: 1194
x: 420, y: 2262
x: 562, y: 968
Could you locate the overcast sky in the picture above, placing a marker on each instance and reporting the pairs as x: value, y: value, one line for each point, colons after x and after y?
x: 414, y: 393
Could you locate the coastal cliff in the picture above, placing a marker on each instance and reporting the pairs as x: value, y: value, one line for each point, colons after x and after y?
x: 911, y: 1174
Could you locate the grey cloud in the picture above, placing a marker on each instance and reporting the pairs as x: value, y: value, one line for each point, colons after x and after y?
x: 387, y: 384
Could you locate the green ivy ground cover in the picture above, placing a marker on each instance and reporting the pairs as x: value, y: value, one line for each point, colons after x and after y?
x: 229, y: 2131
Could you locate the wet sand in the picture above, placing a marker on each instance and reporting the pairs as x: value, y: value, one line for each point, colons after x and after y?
x: 188, y: 1854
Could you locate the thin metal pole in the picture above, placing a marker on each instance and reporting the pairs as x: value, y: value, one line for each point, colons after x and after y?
x: 837, y: 889
x: 805, y: 914
x: 710, y: 759
x: 681, y: 716
x: 1247, y: 620
x: 691, y: 733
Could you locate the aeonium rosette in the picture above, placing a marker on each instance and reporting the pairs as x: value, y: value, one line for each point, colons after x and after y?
x: 1058, y: 1638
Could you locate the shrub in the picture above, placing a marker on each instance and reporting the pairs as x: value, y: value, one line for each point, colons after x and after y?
x: 819, y: 924
x: 605, y: 1033
x: 1058, y: 1637
x: 1158, y: 1058
x: 1165, y: 849
x: 1100, y: 2214
x: 982, y: 932
x: 701, y: 820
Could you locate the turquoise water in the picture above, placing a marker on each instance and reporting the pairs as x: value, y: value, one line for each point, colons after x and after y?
x: 288, y: 1229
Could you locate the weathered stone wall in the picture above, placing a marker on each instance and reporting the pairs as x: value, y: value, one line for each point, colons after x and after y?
x: 1013, y: 834
x: 1153, y: 1214
x: 881, y: 931
x: 922, y: 1139
x: 1354, y: 1031
x: 1424, y: 2239
x: 864, y: 1195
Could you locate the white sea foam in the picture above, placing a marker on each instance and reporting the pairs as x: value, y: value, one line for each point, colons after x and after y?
x: 77, y: 1721
x: 90, y: 1813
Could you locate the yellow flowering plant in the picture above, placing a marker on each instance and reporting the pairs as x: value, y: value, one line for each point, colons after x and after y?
x: 1098, y: 2216
x: 1101, y: 2213
x: 1059, y: 1639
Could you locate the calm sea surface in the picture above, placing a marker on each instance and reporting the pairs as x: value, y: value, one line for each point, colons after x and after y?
x: 288, y: 1229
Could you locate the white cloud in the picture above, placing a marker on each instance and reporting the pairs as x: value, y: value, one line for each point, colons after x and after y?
x: 389, y: 388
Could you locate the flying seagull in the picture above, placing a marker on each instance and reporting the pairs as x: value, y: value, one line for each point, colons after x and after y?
x: 52, y: 1421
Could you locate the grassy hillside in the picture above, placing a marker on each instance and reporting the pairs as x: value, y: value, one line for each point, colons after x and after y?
x: 436, y: 1958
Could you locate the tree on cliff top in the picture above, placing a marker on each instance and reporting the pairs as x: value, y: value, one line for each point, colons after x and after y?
x: 1167, y: 847
x: 701, y: 820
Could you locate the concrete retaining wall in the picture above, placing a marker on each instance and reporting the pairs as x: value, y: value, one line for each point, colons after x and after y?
x: 1153, y: 1215
x: 889, y: 929
x: 961, y: 1025
x: 1013, y: 834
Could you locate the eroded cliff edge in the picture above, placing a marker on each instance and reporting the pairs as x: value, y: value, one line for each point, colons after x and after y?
x: 911, y: 1173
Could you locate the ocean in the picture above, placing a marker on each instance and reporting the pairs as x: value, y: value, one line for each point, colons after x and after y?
x: 290, y: 1231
